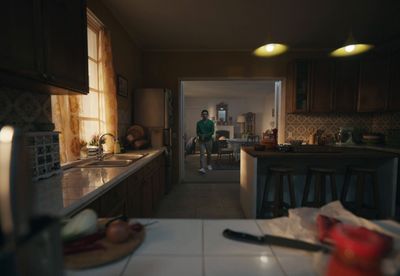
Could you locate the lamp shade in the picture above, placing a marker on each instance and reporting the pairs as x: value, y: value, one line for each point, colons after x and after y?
x: 270, y: 49
x: 351, y: 48
x: 240, y: 119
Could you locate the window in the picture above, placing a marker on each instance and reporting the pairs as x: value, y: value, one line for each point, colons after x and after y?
x: 91, y: 115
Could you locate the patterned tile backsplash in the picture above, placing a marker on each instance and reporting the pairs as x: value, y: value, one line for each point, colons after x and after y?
x: 24, y: 109
x: 300, y: 126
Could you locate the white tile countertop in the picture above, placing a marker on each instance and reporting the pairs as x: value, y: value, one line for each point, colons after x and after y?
x: 62, y: 194
x: 197, y: 247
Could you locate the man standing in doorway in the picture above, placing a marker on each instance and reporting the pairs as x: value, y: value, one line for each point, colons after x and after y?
x: 205, y: 131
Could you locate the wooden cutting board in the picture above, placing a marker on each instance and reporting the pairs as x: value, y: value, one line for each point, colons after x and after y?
x: 112, y: 252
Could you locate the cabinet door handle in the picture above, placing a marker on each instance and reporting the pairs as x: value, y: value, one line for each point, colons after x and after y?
x: 44, y: 75
x: 52, y: 78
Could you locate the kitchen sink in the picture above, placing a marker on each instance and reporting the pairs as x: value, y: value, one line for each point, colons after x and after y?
x: 109, y: 163
x: 114, y: 161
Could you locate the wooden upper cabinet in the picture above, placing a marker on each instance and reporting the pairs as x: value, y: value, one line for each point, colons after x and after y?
x: 321, y: 86
x: 44, y: 45
x: 345, y: 87
x: 394, y: 83
x: 299, y: 86
x: 373, y: 84
x: 19, y: 48
x: 66, y: 59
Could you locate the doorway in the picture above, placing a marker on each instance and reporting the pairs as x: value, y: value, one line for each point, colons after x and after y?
x: 261, y: 97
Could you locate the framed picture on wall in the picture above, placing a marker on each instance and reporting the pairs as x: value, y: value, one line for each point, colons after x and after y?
x: 122, y: 86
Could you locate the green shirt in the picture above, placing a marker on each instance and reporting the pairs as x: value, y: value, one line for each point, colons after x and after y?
x: 205, y: 129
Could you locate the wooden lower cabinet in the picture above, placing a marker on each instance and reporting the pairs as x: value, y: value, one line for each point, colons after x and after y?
x: 136, y: 196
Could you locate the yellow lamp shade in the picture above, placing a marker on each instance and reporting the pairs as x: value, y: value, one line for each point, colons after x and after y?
x: 241, y: 119
x: 270, y: 49
x: 351, y: 50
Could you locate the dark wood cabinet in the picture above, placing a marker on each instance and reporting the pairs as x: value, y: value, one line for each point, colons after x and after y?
x: 373, y: 84
x: 113, y: 202
x: 137, y: 196
x: 301, y: 86
x: 345, y: 87
x: 310, y: 86
x: 394, y: 83
x: 321, y: 86
x: 20, y: 52
x: 44, y: 45
x: 134, y: 195
x: 65, y: 30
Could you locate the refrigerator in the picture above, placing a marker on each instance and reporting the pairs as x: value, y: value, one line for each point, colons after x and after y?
x: 153, y: 110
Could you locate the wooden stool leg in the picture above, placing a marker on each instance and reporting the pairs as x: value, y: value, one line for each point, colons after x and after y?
x: 264, y: 199
x: 345, y: 189
x: 291, y: 191
x: 306, y: 189
x: 277, y: 201
x: 359, y: 191
x: 281, y: 179
x: 322, y: 196
x: 317, y: 189
x: 375, y: 188
x: 333, y: 187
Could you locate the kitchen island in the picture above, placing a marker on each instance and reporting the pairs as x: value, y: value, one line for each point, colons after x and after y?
x: 254, y: 167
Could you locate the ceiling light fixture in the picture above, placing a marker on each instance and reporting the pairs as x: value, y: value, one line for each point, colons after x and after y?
x: 351, y: 48
x: 270, y: 49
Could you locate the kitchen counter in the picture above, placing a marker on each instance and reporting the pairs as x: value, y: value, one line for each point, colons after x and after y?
x: 197, y: 248
x: 254, y: 169
x: 382, y: 148
x: 76, y: 187
x: 324, y: 152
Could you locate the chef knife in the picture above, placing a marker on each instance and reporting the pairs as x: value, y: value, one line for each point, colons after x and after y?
x: 274, y: 240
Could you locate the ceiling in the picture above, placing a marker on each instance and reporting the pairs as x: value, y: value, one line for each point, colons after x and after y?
x: 227, y: 89
x: 245, y: 24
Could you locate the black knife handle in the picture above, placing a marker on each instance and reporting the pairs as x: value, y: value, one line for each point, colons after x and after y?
x: 243, y: 237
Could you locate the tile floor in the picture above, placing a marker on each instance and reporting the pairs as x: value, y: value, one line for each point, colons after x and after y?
x: 214, y: 195
x: 193, y: 176
x: 202, y: 200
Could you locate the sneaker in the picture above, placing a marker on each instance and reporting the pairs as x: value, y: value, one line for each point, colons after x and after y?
x: 202, y: 171
x: 209, y: 167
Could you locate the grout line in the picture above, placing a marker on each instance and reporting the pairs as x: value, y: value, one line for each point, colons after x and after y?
x: 126, y: 264
x: 273, y: 252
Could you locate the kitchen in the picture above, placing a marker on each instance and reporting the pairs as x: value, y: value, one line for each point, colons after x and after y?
x: 53, y: 78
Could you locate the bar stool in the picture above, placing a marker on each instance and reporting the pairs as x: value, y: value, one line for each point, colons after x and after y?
x: 357, y: 205
x: 320, y: 175
x: 277, y: 207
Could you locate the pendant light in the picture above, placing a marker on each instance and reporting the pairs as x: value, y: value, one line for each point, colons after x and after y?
x: 351, y: 48
x: 270, y: 49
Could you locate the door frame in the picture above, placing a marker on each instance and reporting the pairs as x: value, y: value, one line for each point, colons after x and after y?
x: 280, y: 115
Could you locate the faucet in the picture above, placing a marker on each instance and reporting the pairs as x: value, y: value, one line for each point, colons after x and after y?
x: 100, y: 154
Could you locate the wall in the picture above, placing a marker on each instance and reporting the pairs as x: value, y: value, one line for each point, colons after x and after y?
x: 126, y: 58
x: 261, y: 105
x: 300, y: 126
x: 165, y: 69
x: 27, y: 110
